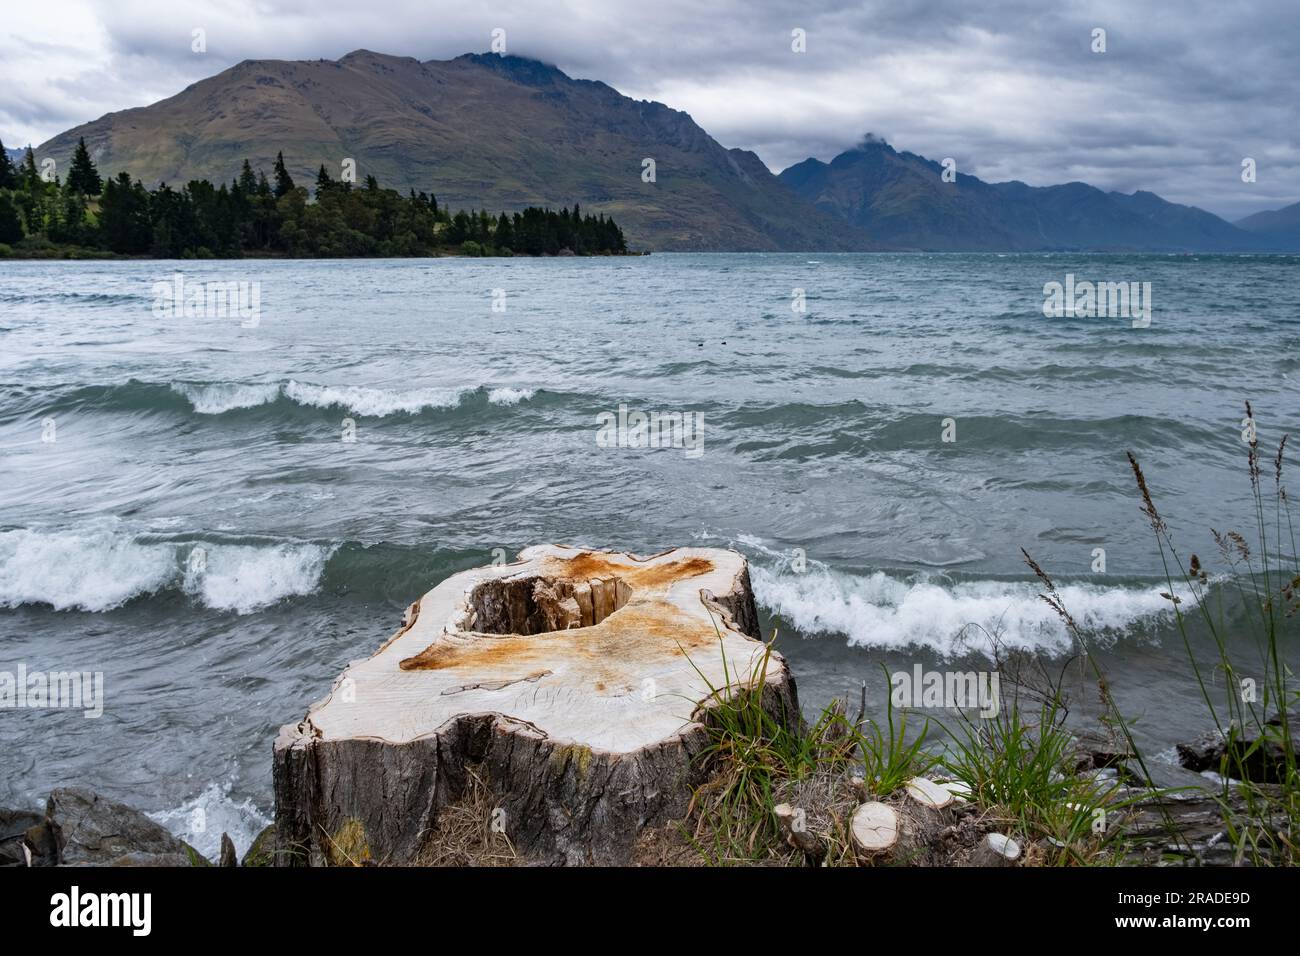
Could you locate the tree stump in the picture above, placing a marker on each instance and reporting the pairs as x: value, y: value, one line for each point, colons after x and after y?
x: 996, y: 849
x: 793, y: 824
x: 578, y: 682
x: 875, y: 829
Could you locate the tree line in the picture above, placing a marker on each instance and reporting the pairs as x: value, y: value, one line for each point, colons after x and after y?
x: 254, y: 215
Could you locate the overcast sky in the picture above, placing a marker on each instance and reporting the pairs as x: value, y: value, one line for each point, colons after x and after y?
x: 1011, y: 88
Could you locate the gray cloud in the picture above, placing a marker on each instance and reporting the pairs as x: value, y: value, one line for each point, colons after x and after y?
x: 1009, y: 88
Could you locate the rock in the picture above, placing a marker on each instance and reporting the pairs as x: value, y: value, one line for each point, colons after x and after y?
x: 578, y: 682
x: 1161, y: 775
x: 90, y: 830
x: 1261, y: 758
x: 13, y: 825
x: 40, y: 843
x: 1096, y: 750
x: 1203, y: 753
x: 228, y: 856
x: 262, y: 852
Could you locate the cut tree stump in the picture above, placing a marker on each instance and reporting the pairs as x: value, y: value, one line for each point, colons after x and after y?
x: 929, y: 794
x: 575, y: 680
x: 996, y: 849
x: 875, y: 829
x: 793, y: 824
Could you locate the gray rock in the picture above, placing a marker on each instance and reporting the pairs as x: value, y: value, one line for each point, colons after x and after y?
x: 262, y: 852
x: 1099, y: 749
x: 13, y: 825
x: 1251, y: 755
x: 90, y: 830
x: 228, y: 856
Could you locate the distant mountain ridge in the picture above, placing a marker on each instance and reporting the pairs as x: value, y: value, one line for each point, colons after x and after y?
x: 507, y: 132
x: 1278, y: 225
x: 479, y: 131
x: 901, y: 200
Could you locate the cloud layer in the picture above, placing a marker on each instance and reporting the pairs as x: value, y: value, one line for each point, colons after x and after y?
x: 1011, y: 90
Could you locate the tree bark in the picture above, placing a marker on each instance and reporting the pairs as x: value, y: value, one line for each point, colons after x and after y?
x: 579, y: 680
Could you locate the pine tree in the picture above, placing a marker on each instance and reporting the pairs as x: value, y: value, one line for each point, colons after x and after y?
x: 8, y: 175
x: 11, y: 228
x: 504, y: 237
x: 124, y: 215
x: 283, y: 181
x: 247, y: 181
x: 31, y: 178
x: 323, y: 181
x: 84, y: 177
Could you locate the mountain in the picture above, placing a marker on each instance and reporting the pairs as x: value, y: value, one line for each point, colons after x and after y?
x: 1279, y: 225
x: 900, y: 199
x: 479, y: 131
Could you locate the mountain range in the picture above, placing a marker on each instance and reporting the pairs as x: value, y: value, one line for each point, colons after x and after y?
x: 903, y: 201
x: 507, y: 132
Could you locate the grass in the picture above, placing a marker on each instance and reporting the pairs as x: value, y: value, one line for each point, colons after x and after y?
x: 1259, y: 793
x: 1251, y: 713
x: 1021, y: 763
x: 759, y: 754
x: 1021, y: 766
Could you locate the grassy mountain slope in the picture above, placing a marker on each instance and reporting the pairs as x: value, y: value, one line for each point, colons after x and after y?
x: 477, y: 131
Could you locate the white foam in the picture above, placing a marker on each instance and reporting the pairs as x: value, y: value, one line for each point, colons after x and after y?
x: 201, y: 820
x: 244, y: 578
x: 217, y: 398
x: 372, y: 402
x: 880, y: 610
x: 220, y: 397
x: 91, y: 570
x: 510, y: 396
x: 100, y: 567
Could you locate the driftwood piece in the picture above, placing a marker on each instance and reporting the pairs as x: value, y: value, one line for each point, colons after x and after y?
x: 578, y: 680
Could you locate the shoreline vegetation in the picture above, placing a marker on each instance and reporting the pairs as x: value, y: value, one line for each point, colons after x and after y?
x: 87, y: 217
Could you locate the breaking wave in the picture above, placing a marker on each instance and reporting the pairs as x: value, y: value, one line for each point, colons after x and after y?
x: 102, y: 568
x: 950, y: 617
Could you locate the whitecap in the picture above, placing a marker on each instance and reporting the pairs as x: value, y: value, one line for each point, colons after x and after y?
x: 510, y: 396
x: 372, y: 402
x: 201, y: 820
x: 881, y: 610
x: 216, y: 398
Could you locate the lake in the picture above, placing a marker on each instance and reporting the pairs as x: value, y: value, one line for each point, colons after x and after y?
x: 218, y: 508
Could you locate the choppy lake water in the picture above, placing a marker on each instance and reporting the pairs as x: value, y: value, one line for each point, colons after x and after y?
x: 131, y: 441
